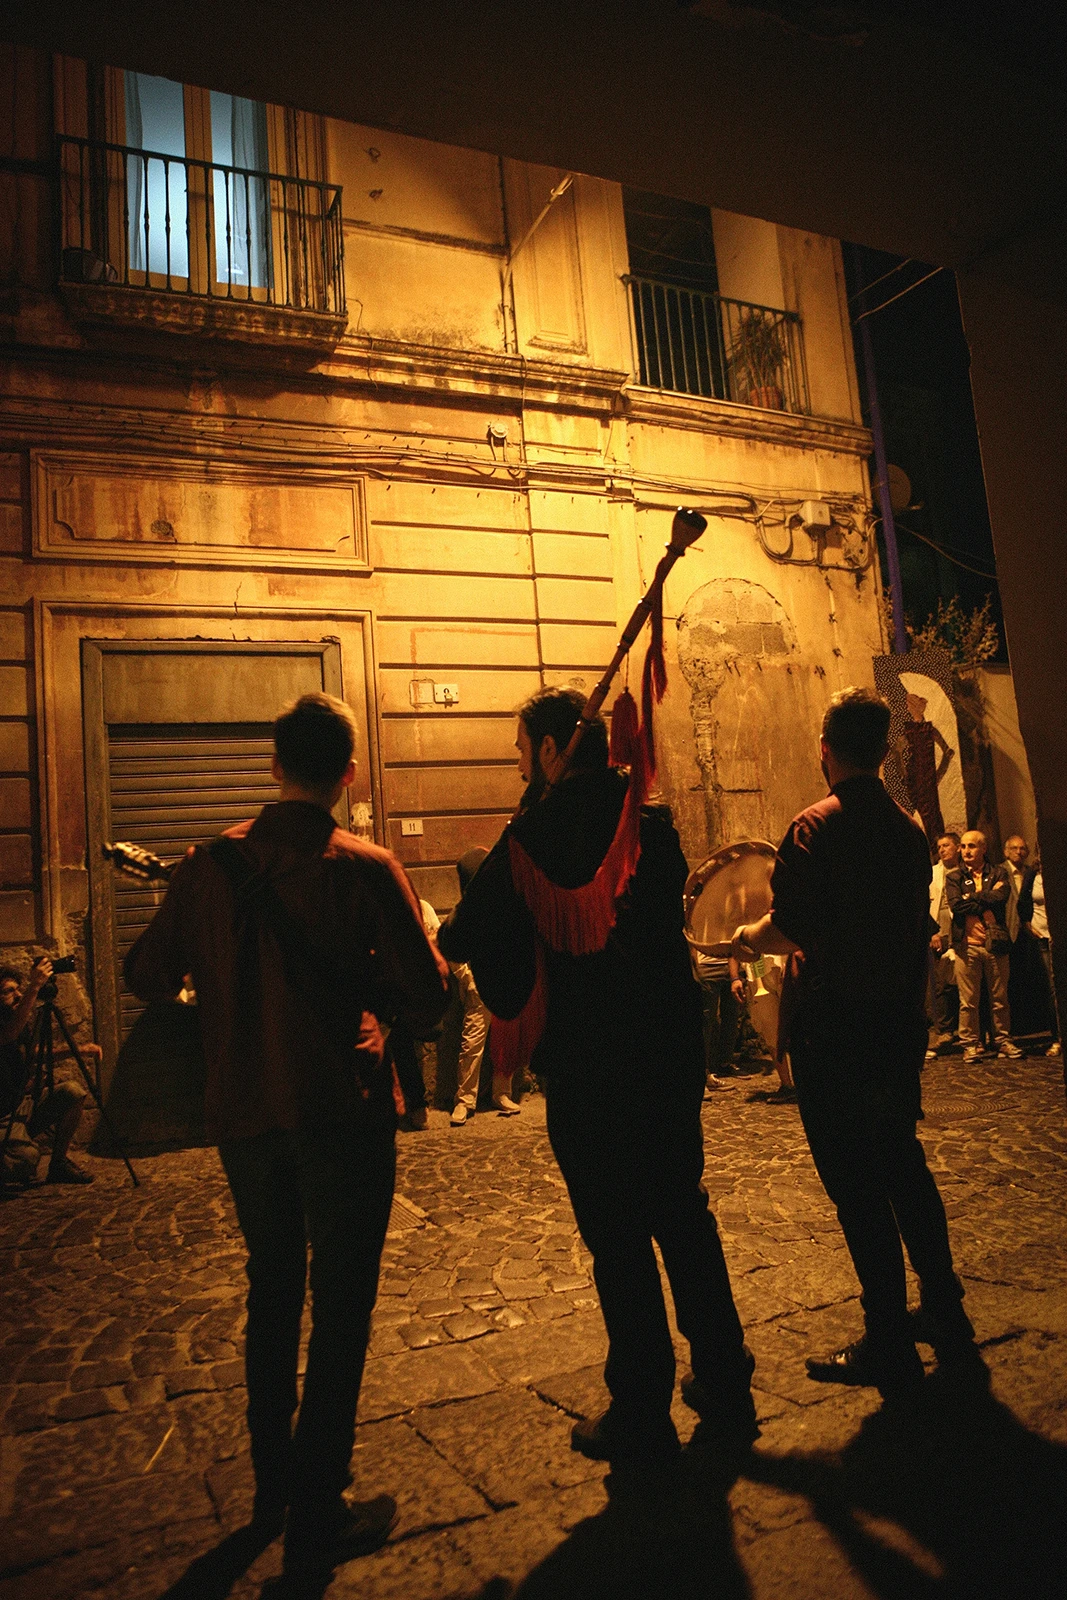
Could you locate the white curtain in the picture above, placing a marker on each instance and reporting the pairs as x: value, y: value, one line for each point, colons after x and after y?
x: 242, y: 205
x: 156, y: 189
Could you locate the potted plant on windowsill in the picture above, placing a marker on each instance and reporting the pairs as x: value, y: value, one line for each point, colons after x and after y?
x: 757, y: 357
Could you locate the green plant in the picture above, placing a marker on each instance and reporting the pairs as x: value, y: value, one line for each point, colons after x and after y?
x: 967, y: 637
x: 758, y: 351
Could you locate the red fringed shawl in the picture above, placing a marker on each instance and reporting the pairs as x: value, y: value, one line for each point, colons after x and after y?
x: 579, y: 921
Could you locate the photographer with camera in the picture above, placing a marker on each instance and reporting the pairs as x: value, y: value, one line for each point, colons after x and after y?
x: 30, y: 1107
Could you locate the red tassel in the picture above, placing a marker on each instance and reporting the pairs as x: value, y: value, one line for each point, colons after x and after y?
x: 622, y: 747
x: 512, y: 1042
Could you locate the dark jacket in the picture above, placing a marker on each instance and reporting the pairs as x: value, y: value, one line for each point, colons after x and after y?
x: 968, y: 901
x: 273, y: 1059
x: 1025, y: 902
x: 633, y: 1002
x: 852, y: 888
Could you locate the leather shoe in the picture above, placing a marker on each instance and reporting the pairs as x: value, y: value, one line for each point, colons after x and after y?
x: 355, y: 1528
x: 858, y: 1364
x: 603, y: 1438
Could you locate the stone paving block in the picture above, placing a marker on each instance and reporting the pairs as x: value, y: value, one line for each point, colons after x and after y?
x: 386, y: 1342
x: 390, y: 1456
x: 525, y: 1355
x: 513, y: 1445
x: 59, y: 1527
x: 467, y: 1325
x: 90, y: 1403
x: 146, y: 1392
x: 581, y: 1393
x: 522, y: 1288
x: 551, y: 1306
x: 440, y: 1307
x: 394, y: 1384
x: 46, y: 1466
x: 100, y: 1374
x: 188, y: 1380
x: 121, y: 1569
x: 417, y: 1334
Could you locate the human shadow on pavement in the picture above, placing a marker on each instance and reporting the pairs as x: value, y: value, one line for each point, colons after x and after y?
x: 670, y: 1534
x: 212, y: 1575
x: 983, y: 1496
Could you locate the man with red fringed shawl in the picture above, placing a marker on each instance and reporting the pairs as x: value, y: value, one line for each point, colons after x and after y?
x: 621, y: 1053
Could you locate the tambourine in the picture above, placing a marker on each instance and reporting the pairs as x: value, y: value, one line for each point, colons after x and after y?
x: 731, y: 887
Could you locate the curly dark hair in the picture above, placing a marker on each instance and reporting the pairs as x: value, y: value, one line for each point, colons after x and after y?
x: 556, y: 712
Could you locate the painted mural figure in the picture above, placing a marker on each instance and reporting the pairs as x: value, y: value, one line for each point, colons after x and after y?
x: 917, y: 747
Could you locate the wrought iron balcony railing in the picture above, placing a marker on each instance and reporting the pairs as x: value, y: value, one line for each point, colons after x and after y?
x: 691, y: 342
x: 178, y: 225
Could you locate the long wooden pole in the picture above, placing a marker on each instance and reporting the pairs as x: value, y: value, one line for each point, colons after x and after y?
x: 685, y: 531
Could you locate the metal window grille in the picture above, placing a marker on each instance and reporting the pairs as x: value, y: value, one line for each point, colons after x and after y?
x: 691, y: 342
x: 180, y: 225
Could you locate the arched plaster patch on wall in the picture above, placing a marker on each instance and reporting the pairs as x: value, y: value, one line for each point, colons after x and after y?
x: 738, y: 652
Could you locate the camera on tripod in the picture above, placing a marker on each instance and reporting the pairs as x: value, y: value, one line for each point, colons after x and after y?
x: 62, y: 964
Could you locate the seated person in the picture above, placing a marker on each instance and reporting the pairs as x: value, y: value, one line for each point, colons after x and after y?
x: 55, y: 1111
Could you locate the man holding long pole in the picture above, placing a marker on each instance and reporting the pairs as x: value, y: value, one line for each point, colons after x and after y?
x: 573, y: 926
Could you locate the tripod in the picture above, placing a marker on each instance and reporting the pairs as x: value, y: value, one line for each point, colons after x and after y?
x: 42, y: 1060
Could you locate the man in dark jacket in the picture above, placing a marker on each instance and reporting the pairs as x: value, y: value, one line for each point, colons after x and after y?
x: 851, y: 905
x: 302, y: 941
x: 622, y: 1057
x: 978, y: 897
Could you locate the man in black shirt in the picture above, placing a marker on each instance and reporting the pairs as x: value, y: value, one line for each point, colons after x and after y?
x: 622, y: 1056
x: 851, y: 905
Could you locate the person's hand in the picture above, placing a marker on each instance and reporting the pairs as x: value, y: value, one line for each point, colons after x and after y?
x: 740, y: 949
x: 937, y: 943
x: 40, y: 973
x: 737, y: 988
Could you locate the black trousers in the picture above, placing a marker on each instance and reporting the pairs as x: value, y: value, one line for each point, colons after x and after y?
x: 631, y: 1151
x: 331, y: 1190
x: 874, y: 1169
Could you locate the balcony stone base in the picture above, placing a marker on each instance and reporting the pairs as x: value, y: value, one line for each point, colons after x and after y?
x: 202, y: 316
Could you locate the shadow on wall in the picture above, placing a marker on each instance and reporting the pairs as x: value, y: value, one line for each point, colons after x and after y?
x: 756, y: 712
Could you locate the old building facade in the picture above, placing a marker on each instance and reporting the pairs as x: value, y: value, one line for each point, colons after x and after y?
x: 290, y: 403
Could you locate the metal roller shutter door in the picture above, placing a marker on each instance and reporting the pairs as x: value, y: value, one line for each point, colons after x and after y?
x: 170, y: 787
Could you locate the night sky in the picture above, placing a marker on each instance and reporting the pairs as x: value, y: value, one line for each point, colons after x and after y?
x: 922, y: 363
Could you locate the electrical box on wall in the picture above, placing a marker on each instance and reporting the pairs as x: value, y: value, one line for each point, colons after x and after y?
x: 446, y: 694
x: 816, y: 516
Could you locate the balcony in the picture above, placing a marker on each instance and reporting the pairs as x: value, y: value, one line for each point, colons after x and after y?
x: 695, y: 343
x: 173, y: 243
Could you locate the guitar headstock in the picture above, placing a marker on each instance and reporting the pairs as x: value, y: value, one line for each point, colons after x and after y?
x: 137, y: 862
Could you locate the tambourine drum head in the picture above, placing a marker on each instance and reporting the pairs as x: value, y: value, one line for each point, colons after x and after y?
x: 731, y: 887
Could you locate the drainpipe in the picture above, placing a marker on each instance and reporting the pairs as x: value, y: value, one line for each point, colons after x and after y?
x: 881, y: 467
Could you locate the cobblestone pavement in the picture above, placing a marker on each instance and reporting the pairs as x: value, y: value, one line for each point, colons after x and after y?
x: 124, y: 1454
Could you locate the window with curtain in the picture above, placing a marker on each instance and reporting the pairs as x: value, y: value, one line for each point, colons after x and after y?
x: 158, y: 199
x: 156, y: 193
x: 241, y: 199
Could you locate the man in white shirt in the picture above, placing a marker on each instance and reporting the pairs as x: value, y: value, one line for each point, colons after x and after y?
x: 1033, y: 918
x: 944, y: 996
x: 1016, y: 855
